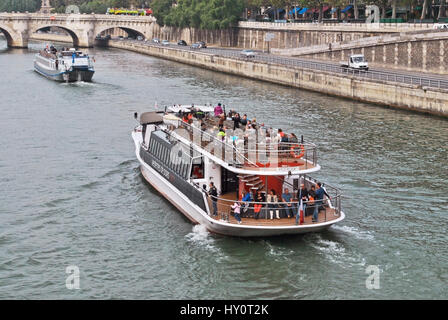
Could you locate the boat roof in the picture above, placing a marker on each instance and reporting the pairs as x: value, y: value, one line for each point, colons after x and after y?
x: 189, y: 108
x: 260, y: 156
x: 151, y: 118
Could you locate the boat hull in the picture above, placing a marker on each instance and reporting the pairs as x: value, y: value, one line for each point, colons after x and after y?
x: 74, y: 75
x: 198, y: 216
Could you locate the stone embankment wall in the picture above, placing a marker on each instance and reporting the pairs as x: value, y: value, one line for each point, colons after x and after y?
x: 423, y: 52
x: 412, y: 97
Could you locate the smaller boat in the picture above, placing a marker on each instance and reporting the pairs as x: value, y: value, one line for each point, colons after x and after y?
x: 66, y: 65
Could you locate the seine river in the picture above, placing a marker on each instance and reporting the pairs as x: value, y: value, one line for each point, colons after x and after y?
x: 72, y: 193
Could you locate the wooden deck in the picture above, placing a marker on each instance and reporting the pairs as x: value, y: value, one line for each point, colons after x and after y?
x: 224, y: 211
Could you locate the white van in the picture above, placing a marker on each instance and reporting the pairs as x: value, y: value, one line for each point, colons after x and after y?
x: 440, y: 26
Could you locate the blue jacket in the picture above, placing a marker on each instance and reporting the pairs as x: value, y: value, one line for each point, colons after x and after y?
x: 320, y: 194
x: 247, y: 197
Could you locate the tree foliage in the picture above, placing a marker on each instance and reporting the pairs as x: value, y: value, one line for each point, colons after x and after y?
x: 19, y: 5
x: 201, y: 14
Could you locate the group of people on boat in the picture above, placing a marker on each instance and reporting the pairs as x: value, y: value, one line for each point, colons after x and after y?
x: 270, y: 206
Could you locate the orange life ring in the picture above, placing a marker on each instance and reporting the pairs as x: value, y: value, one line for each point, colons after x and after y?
x: 302, y: 151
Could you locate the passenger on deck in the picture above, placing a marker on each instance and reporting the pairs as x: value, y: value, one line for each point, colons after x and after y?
x: 221, y: 134
x: 258, y: 206
x: 236, y: 211
x: 213, y: 193
x: 218, y: 110
x: 222, y: 119
x: 236, y: 121
x: 311, y: 198
x: 287, y: 203
x: 244, y: 120
x: 247, y: 197
x: 272, y: 204
x: 320, y: 192
x: 302, y: 195
x: 293, y: 138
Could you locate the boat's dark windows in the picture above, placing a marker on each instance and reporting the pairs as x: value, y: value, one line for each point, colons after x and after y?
x: 166, y: 156
x: 185, y: 170
x: 163, y: 155
x: 157, y: 149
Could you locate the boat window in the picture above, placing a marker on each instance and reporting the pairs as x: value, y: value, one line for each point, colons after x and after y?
x: 197, y: 171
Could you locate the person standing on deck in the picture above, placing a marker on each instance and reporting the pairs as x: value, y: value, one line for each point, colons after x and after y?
x: 218, y: 110
x: 236, y: 211
x: 287, y: 204
x: 213, y: 193
x: 320, y: 192
x: 302, y: 195
x: 247, y: 197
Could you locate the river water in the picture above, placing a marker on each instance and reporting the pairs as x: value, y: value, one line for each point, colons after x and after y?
x: 72, y: 193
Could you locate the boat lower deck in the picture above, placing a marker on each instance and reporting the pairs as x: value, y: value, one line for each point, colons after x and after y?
x: 264, y: 218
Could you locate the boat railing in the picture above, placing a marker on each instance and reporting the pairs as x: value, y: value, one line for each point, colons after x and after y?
x: 222, y: 149
x: 255, y: 210
x: 245, y: 151
x: 267, y: 211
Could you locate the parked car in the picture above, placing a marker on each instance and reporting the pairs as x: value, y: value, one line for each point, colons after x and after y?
x: 156, y: 40
x: 165, y: 43
x: 248, y: 53
x: 195, y: 46
x: 202, y: 44
x: 181, y: 43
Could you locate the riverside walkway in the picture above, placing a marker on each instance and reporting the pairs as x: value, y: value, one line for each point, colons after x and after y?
x: 401, y: 77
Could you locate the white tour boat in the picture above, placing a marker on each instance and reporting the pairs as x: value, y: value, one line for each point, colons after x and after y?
x: 67, y: 65
x: 182, y: 151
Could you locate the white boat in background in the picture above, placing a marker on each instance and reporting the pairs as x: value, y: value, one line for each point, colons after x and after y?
x: 67, y: 65
x: 181, y: 155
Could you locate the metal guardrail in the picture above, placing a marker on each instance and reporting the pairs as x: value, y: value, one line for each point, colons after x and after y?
x: 270, y: 210
x: 321, y: 66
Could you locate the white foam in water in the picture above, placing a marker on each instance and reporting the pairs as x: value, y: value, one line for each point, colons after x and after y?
x: 353, y: 231
x: 336, y: 252
x: 200, y: 236
x: 199, y: 233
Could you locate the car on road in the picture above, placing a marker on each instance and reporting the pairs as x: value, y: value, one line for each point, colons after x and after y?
x: 165, y: 43
x: 355, y: 62
x: 248, y: 53
x: 140, y: 38
x: 156, y: 40
x: 440, y: 26
x: 181, y: 43
x: 202, y: 44
x: 195, y: 46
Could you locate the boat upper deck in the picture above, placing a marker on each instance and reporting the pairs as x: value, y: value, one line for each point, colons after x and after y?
x: 242, y: 144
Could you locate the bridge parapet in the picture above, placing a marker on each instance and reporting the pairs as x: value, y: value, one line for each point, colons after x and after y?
x: 83, y: 28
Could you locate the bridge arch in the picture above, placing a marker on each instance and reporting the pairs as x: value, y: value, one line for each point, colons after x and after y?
x: 73, y: 34
x: 133, y: 32
x: 7, y: 35
x: 13, y: 39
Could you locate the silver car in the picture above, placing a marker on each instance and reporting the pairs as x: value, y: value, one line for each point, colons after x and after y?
x: 248, y: 53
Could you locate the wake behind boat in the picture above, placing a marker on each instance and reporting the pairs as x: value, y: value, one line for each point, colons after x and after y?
x: 236, y: 177
x: 66, y: 65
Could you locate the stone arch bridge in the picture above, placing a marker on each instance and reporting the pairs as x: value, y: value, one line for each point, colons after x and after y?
x: 83, y: 28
